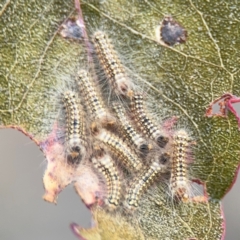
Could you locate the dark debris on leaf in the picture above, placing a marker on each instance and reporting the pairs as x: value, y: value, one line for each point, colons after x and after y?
x: 171, y: 32
x: 71, y: 29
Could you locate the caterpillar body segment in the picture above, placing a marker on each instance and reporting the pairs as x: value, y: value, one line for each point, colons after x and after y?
x: 93, y: 100
x: 143, y: 181
x: 112, y: 65
x: 76, y: 130
x: 145, y: 123
x: 106, y: 166
x: 120, y: 149
x: 179, y: 182
x: 143, y: 146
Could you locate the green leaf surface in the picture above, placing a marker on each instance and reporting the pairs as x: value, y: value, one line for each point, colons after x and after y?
x: 158, y: 219
x: 183, y: 79
x: 34, y: 60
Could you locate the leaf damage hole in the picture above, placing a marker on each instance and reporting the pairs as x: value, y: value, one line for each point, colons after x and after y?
x: 220, y: 107
x: 71, y: 29
x: 171, y: 32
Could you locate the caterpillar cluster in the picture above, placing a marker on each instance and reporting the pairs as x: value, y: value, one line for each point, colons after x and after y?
x: 126, y: 143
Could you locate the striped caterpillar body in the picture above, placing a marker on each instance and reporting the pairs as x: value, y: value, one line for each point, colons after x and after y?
x: 144, y: 181
x: 120, y: 149
x: 145, y: 123
x: 179, y: 182
x: 135, y: 138
x: 75, y: 130
x: 93, y: 99
x: 111, y: 64
x: 106, y: 166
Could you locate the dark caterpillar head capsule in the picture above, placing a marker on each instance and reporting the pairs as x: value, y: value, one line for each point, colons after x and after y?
x: 144, y: 148
x: 162, y: 141
x: 164, y: 158
x: 75, y: 155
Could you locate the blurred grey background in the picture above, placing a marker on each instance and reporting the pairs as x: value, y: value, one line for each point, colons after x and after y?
x: 25, y: 216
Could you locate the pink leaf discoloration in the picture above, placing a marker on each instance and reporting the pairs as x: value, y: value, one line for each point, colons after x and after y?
x: 75, y: 230
x: 223, y: 223
x: 234, y: 180
x: 80, y: 23
x: 88, y: 187
x: 59, y: 173
x: 225, y: 103
x: 169, y: 123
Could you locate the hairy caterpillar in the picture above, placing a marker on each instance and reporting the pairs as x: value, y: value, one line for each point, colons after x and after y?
x: 120, y: 149
x: 145, y: 123
x: 106, y: 166
x: 111, y: 65
x: 93, y: 99
x: 133, y: 136
x: 179, y: 182
x: 144, y: 180
x: 75, y: 130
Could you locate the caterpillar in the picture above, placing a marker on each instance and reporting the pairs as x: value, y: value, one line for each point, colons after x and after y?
x: 75, y: 129
x: 93, y: 99
x: 112, y: 65
x: 120, y: 149
x: 145, y: 123
x: 142, y: 145
x: 179, y: 183
x: 106, y: 166
x: 144, y: 180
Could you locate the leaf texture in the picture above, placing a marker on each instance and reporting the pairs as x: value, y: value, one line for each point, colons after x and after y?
x: 36, y: 61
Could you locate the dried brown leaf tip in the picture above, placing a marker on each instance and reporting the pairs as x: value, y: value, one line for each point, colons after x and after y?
x: 171, y: 32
